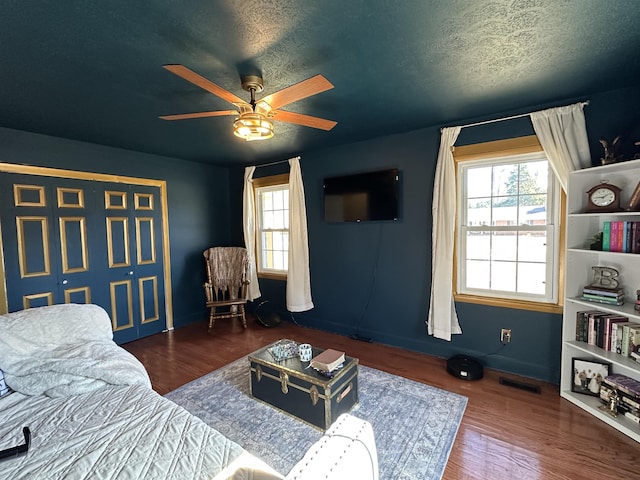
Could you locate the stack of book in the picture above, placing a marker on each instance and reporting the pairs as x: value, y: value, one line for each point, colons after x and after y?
x: 609, y: 331
x: 328, y: 361
x: 600, y: 328
x: 628, y: 395
x: 608, y: 296
x: 619, y: 236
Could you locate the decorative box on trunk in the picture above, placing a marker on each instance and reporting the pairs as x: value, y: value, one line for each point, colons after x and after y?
x: 292, y: 387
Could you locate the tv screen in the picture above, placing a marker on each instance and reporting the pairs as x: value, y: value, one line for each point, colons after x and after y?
x: 362, y: 197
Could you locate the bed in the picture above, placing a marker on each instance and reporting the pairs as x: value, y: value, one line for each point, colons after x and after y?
x: 91, y: 410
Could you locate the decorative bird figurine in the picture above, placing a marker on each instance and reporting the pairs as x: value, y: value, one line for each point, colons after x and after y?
x: 610, y: 150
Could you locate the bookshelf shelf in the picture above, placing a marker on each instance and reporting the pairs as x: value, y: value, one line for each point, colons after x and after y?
x: 627, y: 309
x: 592, y: 404
x: 601, y: 252
x: 581, y: 228
x: 622, y: 362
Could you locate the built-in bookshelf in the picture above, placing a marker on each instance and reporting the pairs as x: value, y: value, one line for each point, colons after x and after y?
x: 581, y: 229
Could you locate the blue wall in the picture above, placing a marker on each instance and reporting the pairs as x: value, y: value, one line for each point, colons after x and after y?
x: 373, y: 279
x: 198, y: 197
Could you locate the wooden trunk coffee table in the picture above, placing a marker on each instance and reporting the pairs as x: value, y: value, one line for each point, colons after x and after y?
x: 290, y: 386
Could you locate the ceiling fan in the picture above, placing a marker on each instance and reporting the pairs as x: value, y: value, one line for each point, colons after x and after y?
x: 254, y: 118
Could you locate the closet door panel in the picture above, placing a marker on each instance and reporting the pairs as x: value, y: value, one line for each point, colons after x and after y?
x: 29, y: 242
x: 68, y: 240
x: 147, y: 218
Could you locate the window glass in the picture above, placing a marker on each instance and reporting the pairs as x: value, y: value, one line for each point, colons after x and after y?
x: 508, y: 235
x: 272, y: 205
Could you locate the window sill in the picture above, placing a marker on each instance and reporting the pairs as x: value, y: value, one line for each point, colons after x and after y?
x: 509, y: 303
x: 273, y: 276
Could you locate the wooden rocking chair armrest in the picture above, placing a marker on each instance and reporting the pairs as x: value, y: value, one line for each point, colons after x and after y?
x: 244, y: 288
x: 208, y: 291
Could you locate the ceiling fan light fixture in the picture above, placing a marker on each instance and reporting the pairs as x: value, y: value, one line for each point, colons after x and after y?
x: 253, y: 126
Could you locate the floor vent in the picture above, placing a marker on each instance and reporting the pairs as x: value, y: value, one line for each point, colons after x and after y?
x: 529, y: 387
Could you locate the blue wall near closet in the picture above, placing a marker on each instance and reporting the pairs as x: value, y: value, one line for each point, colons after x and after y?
x: 198, y: 197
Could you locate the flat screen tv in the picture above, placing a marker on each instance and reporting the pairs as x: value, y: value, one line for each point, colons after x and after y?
x: 362, y: 197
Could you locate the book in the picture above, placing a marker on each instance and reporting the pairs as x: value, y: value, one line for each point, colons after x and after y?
x: 591, y: 328
x: 615, y: 243
x: 605, y: 292
x: 580, y: 319
x: 606, y: 236
x: 626, y: 385
x: 599, y: 328
x: 635, y: 238
x: 626, y: 340
x: 616, y: 336
x: 328, y: 360
x: 603, y: 297
x: 609, y: 322
x: 595, y: 330
x: 620, y: 236
x: 630, y: 402
x: 626, y: 404
x: 582, y: 324
x: 634, y: 340
x: 603, y: 300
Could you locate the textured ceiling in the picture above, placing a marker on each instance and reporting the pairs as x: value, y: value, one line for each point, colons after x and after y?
x: 92, y: 71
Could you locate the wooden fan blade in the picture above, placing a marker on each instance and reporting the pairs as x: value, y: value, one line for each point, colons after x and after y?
x: 200, y: 81
x: 184, y: 116
x: 305, y: 120
x: 306, y: 88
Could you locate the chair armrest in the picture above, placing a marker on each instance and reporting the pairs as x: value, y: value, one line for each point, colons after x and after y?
x: 244, y: 289
x: 208, y: 291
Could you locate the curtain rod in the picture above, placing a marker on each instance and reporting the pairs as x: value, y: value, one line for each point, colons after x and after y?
x: 277, y: 162
x: 506, y: 118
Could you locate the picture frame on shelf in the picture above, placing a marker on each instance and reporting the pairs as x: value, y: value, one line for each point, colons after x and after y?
x: 587, y: 375
x: 634, y: 201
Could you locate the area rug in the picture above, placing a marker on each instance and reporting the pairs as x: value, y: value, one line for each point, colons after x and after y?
x: 414, y: 424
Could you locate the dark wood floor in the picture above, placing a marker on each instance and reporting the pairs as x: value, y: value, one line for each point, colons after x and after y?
x: 506, y: 433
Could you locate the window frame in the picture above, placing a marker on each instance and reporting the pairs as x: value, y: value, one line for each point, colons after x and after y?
x: 499, y: 150
x: 280, y: 180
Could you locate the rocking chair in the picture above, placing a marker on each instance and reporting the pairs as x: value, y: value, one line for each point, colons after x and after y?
x: 227, y: 280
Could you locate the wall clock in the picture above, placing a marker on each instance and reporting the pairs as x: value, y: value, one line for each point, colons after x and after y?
x: 603, y: 197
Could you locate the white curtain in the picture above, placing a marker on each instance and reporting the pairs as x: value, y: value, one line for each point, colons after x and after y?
x: 443, y: 320
x: 298, y: 278
x: 562, y: 132
x: 249, y: 227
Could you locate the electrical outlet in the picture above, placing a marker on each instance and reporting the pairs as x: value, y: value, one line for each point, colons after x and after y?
x: 505, y: 335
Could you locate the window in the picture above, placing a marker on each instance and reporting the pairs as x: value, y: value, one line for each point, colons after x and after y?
x: 272, y: 207
x: 508, y: 227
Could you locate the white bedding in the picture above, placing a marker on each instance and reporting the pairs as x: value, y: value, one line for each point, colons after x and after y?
x: 91, y: 410
x: 64, y: 350
x: 118, y: 433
